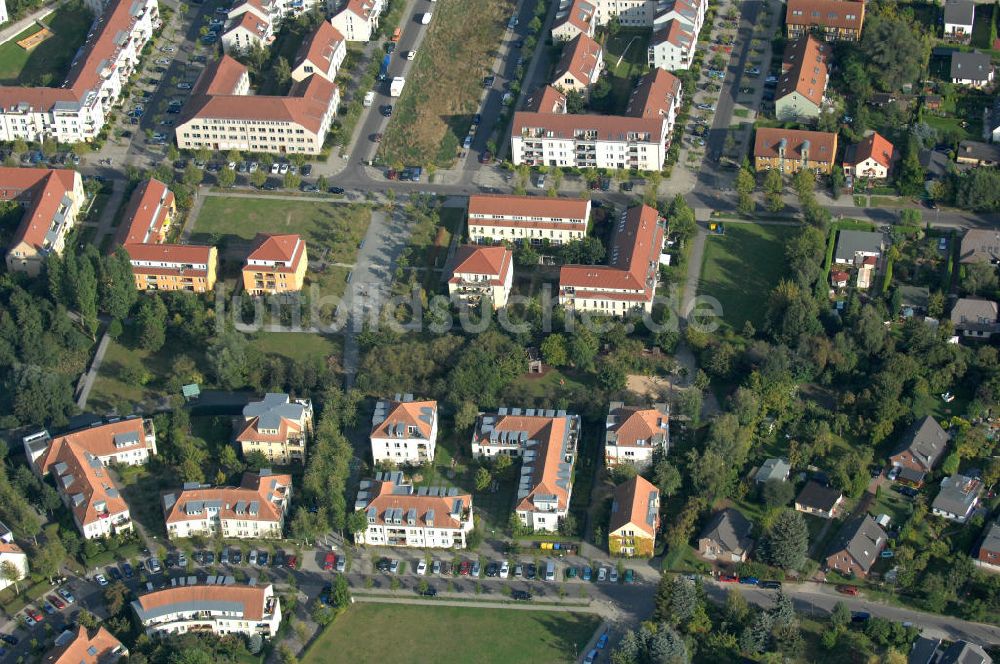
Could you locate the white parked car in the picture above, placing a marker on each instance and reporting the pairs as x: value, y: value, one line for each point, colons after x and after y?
x: 283, y: 168
x: 101, y: 580
x: 410, y: 55
x: 422, y: 567
x: 274, y: 168
x: 504, y: 570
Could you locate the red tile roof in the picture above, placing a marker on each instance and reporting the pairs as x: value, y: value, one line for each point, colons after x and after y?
x: 250, y: 597
x: 581, y: 59
x: 42, y: 191
x: 320, y: 46
x: 494, y: 262
x: 270, y: 492
x: 483, y: 207
x: 826, y: 13
x: 11, y: 548
x: 180, y: 254
x: 654, y: 96
x: 631, y: 506
x: 407, y: 413
x: 363, y: 8
x: 221, y: 77
x: 146, y: 214
x: 637, y: 424
x: 384, y: 499
x: 822, y: 145
x: 874, y: 146
x: 87, y: 477
x: 546, y: 100
x: 804, y: 69
x: 283, y: 253
x: 252, y: 24
x: 593, y: 127
x: 98, y: 440
x: 674, y: 32
x: 101, y: 648
x: 634, y: 258
x: 580, y: 16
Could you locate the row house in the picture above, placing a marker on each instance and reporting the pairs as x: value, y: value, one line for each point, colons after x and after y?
x: 635, y: 435
x: 576, y: 19
x: 52, y: 199
x: 220, y: 117
x: 276, y: 426
x: 804, y: 77
x: 546, y: 443
x: 497, y: 218
x: 791, y: 150
x: 871, y: 158
x: 627, y: 284
x: 399, y: 514
x: 836, y: 20
x: 635, y: 519
x: 404, y: 430
x: 580, y: 65
x: 79, y: 646
x: 157, y: 265
x: 479, y: 275
x: 221, y: 610
x: 357, y: 20
x: 78, y: 109
x: 254, y: 510
x: 588, y: 141
x: 276, y: 264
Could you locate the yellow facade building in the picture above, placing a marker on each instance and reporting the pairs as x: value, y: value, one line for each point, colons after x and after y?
x: 277, y: 264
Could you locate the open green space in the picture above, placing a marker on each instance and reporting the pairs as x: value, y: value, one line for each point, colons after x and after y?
x: 47, y: 63
x: 130, y: 375
x: 951, y: 128
x: 443, y: 89
x: 297, y: 346
x: 626, y: 59
x: 452, y: 634
x: 741, y: 268
x: 332, y: 230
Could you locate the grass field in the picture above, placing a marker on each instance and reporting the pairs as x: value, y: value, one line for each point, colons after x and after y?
x: 298, y: 346
x: 116, y: 382
x: 47, y: 63
x: 742, y: 267
x: 442, y: 92
x: 332, y: 230
x: 626, y: 60
x: 452, y: 634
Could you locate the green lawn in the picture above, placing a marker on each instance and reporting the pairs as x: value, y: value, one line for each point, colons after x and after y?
x: 950, y: 126
x: 626, y: 52
x: 452, y: 634
x: 297, y: 346
x: 47, y: 63
x: 331, y: 230
x: 741, y: 268
x: 117, y: 380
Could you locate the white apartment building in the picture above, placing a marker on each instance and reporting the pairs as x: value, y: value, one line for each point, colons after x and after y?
x: 672, y: 47
x: 77, y: 110
x: 128, y: 442
x: 495, y: 218
x: 322, y: 53
x: 658, y: 95
x: 627, y: 284
x: 245, y: 31
x: 425, y: 517
x: 221, y: 116
x: 13, y: 554
x: 220, y: 609
x: 588, y: 141
x: 545, y: 440
x: 404, y: 430
x: 51, y: 199
x: 633, y: 435
x: 478, y: 272
x: 4, y: 16
x: 254, y: 510
x: 357, y: 20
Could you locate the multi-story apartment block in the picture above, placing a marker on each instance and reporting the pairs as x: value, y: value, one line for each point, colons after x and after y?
x: 836, y: 20
x: 357, y: 20
x: 790, y: 150
x: 671, y: 46
x: 545, y: 440
x: 633, y: 435
x: 158, y: 266
x: 220, y: 609
x: 627, y: 284
x: 576, y: 19
x: 221, y: 116
x: 502, y: 218
x: 51, y: 200
x: 13, y: 554
x: 277, y: 264
x: 804, y: 76
x: 635, y: 518
x: 77, y: 110
x: 254, y: 510
x: 322, y: 53
x: 246, y: 30
x: 128, y: 442
x: 401, y: 515
x: 277, y: 427
x: 580, y: 65
x: 404, y: 430
x: 478, y: 272
x: 588, y: 141
x: 658, y: 95
x: 79, y: 646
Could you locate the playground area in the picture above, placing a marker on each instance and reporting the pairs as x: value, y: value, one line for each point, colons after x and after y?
x: 31, y: 41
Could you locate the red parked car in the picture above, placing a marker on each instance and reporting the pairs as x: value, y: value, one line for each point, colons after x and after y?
x: 465, y: 568
x: 329, y: 562
x: 728, y: 578
x: 56, y: 602
x: 292, y: 562
x: 35, y: 614
x: 847, y: 590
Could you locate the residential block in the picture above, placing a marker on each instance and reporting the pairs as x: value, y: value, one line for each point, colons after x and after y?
x: 276, y: 264
x: 495, y: 218
x: 481, y: 276
x: 790, y: 150
x: 404, y: 430
x: 78, y: 645
x: 357, y: 20
x: 254, y: 510
x: 635, y: 435
x: 836, y: 20
x: 52, y: 199
x: 276, y: 426
x: 220, y: 609
x: 635, y: 519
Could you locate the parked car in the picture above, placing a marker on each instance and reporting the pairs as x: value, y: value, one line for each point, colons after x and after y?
x: 476, y: 569
x: 127, y: 570
x: 629, y: 575
x: 292, y: 562
x: 520, y: 595
x: 9, y: 639
x: 262, y: 557
x: 430, y: 592
x: 860, y: 616
x: 436, y: 567
x: 393, y: 566
x: 224, y: 557
x: 749, y: 580
x: 586, y: 573
x: 465, y: 568
x: 602, y: 574
x: 336, y: 190
x: 422, y: 567
x: 728, y: 578
x: 613, y: 576
x: 602, y: 642
x: 341, y: 564
x: 253, y: 557
x: 848, y: 590
x: 530, y: 571
x: 154, y: 566
x: 329, y: 561
x: 48, y: 608
x: 771, y: 585
x: 591, y: 657
x: 504, y: 570
x: 101, y: 580
x: 115, y: 574
x: 907, y: 491
x: 57, y: 602
x: 492, y: 569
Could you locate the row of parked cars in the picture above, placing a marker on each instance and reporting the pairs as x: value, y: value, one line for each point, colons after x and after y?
x: 52, y: 604
x: 504, y: 569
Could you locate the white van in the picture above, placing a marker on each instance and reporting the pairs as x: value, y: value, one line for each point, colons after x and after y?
x: 425, y: 18
x: 550, y: 571
x: 369, y: 98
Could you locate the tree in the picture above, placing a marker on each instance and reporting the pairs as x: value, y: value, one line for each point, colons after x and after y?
x: 788, y: 541
x: 678, y: 603
x: 193, y: 175
x: 465, y: 416
x: 227, y: 177
x: 777, y: 493
x: 773, y: 187
x: 282, y: 70
x: 840, y: 617
x: 554, y: 350
x: 85, y: 290
x: 228, y: 357
x: 575, y: 102
x: 258, y: 178
x: 291, y: 181
x: 357, y: 522
x: 10, y: 573
x: 682, y: 219
x: 980, y: 278
x: 950, y: 464
x: 151, y: 319
x: 894, y: 50
x: 49, y: 558
x: 745, y: 185
x: 483, y: 479
x: 117, y: 285
x: 229, y: 460
x: 837, y: 183
x: 666, y: 477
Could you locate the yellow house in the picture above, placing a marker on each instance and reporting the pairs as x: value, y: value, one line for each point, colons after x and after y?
x: 635, y: 518
x: 277, y: 264
x: 171, y: 267
x: 51, y: 200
